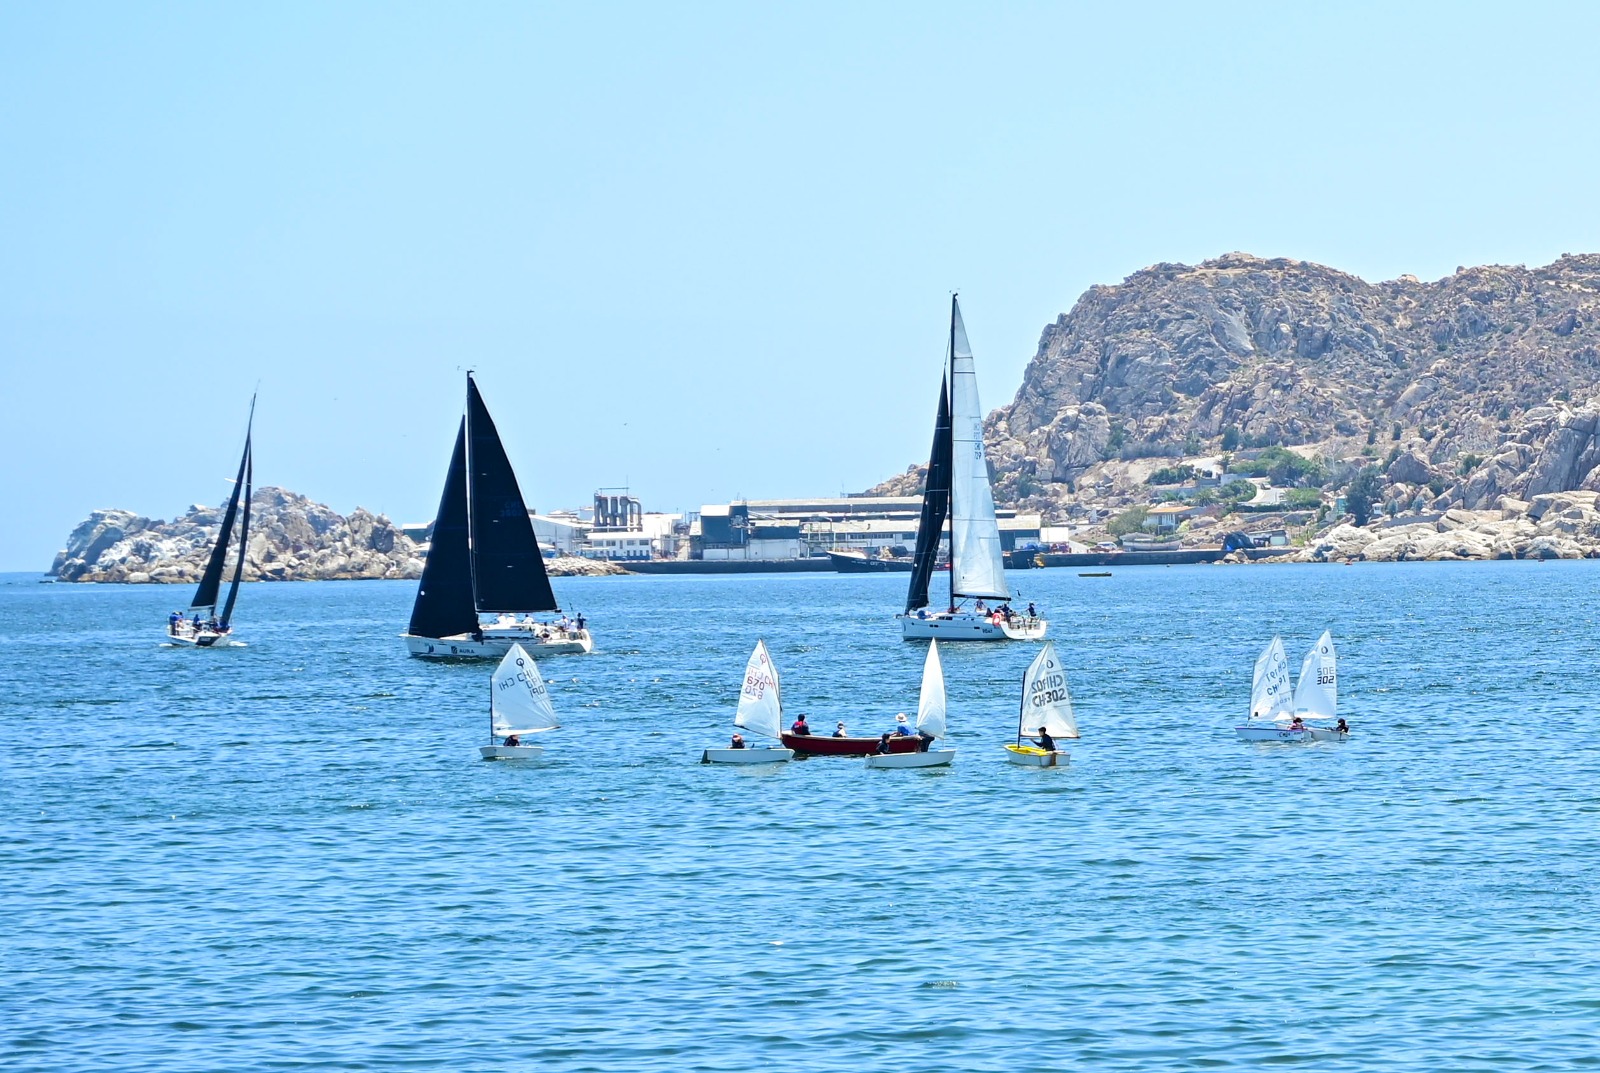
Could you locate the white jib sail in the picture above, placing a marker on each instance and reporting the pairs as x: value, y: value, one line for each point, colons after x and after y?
x: 520, y: 702
x: 1316, y: 695
x: 1270, y: 693
x: 1046, y: 700
x: 760, y: 710
x: 976, y: 565
x: 931, y: 702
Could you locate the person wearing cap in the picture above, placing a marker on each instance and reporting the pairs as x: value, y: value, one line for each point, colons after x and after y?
x: 902, y: 728
x: 839, y: 731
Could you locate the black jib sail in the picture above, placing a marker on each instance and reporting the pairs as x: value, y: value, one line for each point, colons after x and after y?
x: 507, y: 570
x: 205, y: 597
x: 444, y: 596
x: 935, y: 506
x: 244, y: 537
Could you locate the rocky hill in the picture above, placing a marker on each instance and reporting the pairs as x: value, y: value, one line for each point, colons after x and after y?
x: 1457, y: 392
x: 291, y: 539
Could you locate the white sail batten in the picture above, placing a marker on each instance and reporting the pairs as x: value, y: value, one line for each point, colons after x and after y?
x: 520, y: 702
x: 1046, y: 700
x: 760, y: 708
x: 1270, y: 693
x: 977, y: 567
x: 1316, y: 695
x: 931, y: 701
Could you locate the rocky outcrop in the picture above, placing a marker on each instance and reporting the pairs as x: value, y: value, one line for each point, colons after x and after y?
x: 1563, y: 525
x: 291, y: 539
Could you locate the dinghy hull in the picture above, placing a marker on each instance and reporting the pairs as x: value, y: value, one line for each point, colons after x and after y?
x: 817, y: 745
x: 1327, y: 734
x: 496, y: 644
x: 931, y: 758
x: 511, y: 752
x: 767, y: 755
x: 1268, y: 733
x: 1031, y: 756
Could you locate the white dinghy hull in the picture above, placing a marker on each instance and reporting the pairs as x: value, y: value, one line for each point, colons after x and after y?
x: 1029, y: 756
x: 511, y: 752
x: 495, y: 646
x: 1269, y: 733
x: 759, y: 755
x: 1327, y: 734
x: 931, y: 758
x: 967, y: 626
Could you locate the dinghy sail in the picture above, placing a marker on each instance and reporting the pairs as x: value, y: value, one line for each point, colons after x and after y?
x: 760, y: 712
x: 204, y: 627
x: 1046, y: 703
x: 519, y: 704
x: 484, y: 559
x: 958, y: 493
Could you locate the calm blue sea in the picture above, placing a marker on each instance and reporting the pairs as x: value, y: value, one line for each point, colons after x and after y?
x: 288, y: 855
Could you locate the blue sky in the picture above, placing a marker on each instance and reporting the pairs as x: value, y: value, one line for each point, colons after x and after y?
x: 702, y: 250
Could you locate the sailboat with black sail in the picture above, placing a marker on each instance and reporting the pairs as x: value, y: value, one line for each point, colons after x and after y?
x: 202, y: 626
x: 958, y: 495
x: 484, y: 560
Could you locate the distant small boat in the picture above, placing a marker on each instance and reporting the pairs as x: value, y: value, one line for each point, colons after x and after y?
x: 853, y: 561
x: 1270, y: 698
x: 213, y: 630
x: 760, y: 712
x: 1275, y: 716
x: 1046, y: 702
x: 1096, y: 573
x: 519, y: 703
x: 1316, y: 692
x: 931, y: 707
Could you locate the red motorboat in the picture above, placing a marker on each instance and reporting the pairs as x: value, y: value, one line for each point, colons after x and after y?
x: 823, y: 745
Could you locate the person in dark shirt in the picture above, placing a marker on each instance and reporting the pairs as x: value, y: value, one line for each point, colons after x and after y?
x: 800, y: 726
x: 737, y: 742
x: 838, y: 731
x: 883, y: 744
x: 512, y: 741
x: 1341, y: 726
x: 1045, y: 741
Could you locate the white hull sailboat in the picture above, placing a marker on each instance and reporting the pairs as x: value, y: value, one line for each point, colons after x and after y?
x: 931, y: 707
x: 1271, y: 699
x: 760, y: 712
x: 1276, y: 716
x: 1316, y: 692
x: 214, y: 630
x: 519, y: 704
x: 1046, y: 705
x: 958, y: 493
x: 484, y: 559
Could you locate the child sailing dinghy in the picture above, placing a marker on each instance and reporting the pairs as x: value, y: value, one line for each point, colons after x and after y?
x: 931, y: 707
x: 760, y: 712
x: 1046, y: 703
x: 519, y: 704
x: 1275, y: 716
x: 1270, y: 698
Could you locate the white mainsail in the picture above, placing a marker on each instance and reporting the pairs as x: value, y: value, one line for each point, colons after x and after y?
x: 976, y: 565
x: 1316, y: 695
x: 931, y: 701
x: 1046, y: 701
x: 760, y: 709
x: 1270, y: 694
x: 519, y: 702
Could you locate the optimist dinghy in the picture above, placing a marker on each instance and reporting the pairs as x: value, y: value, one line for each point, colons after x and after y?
x: 1271, y: 703
x: 1046, y: 702
x: 760, y: 712
x: 519, y: 704
x: 930, y: 720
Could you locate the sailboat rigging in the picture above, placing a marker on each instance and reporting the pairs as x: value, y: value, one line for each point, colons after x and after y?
x: 191, y: 628
x: 484, y: 559
x: 958, y: 495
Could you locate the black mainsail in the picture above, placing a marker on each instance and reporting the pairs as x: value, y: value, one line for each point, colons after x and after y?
x: 205, y: 597
x: 935, y: 506
x: 483, y: 555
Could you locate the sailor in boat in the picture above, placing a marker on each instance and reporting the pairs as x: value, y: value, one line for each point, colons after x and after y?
x: 172, y: 622
x: 1341, y: 726
x: 883, y: 743
x: 737, y: 742
x: 1031, y: 612
x: 902, y: 729
x: 800, y: 726
x: 1044, y: 740
x: 839, y: 731
x: 512, y: 741
x: 1297, y: 723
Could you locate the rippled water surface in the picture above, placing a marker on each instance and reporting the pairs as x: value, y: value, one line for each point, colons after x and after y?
x: 288, y: 855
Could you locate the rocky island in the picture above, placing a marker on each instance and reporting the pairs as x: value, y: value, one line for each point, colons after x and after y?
x: 1451, y: 419
x: 291, y: 539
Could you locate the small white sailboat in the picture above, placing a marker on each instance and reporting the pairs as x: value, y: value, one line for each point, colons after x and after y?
x: 760, y: 712
x: 1316, y: 694
x: 930, y: 720
x: 1271, y: 702
x: 519, y: 704
x: 213, y: 631
x: 958, y: 492
x: 1046, y: 705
